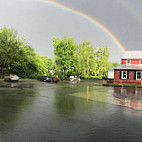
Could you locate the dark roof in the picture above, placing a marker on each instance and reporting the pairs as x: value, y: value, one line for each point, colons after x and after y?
x: 129, y: 67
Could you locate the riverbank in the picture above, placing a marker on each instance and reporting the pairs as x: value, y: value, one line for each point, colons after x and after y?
x: 85, y: 82
x: 27, y: 79
x: 122, y: 85
x: 24, y: 79
x: 100, y: 83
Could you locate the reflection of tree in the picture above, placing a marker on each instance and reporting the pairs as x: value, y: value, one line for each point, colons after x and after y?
x: 13, y: 101
x: 87, y: 91
x: 64, y: 104
x: 93, y: 93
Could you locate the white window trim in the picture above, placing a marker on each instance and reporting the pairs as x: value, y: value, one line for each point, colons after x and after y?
x: 136, y: 75
x: 128, y: 63
x: 122, y: 75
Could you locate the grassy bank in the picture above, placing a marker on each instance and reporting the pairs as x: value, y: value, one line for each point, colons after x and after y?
x: 27, y: 79
x: 24, y: 79
x: 94, y: 78
x: 122, y: 85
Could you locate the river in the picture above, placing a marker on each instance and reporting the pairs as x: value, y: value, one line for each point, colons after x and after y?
x: 32, y: 111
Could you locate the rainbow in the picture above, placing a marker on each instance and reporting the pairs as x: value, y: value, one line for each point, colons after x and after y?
x: 98, y: 24
x: 129, y: 6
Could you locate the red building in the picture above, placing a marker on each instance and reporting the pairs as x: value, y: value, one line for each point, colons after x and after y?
x: 130, y: 70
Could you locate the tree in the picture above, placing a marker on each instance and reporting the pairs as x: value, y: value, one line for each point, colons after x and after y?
x: 65, y: 56
x: 115, y: 64
x: 102, y: 60
x: 86, y: 58
x: 17, y: 57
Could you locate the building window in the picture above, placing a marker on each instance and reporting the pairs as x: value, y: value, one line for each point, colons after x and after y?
x: 138, y: 75
x: 124, y: 74
x: 141, y: 62
x: 128, y: 62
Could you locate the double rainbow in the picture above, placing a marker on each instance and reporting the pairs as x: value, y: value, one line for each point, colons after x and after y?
x: 98, y: 24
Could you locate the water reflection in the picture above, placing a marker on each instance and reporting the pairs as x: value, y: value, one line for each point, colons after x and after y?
x: 128, y: 97
x: 44, y: 112
x: 13, y: 102
x: 93, y: 93
x: 68, y: 104
x: 87, y: 91
x: 64, y: 104
x: 123, y: 96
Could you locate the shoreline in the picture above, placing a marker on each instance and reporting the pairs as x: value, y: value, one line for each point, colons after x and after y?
x: 122, y: 85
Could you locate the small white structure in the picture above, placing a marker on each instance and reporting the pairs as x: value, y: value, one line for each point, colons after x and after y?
x: 111, y: 73
x: 72, y: 78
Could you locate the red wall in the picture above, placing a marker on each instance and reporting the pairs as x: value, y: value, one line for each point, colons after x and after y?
x: 133, y: 61
x: 123, y: 61
x: 131, y: 79
x: 116, y: 75
x: 131, y: 75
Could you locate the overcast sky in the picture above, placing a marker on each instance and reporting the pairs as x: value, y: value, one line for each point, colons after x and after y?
x: 39, y: 22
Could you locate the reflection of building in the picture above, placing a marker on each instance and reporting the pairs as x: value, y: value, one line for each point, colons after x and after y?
x: 130, y: 70
x: 129, y: 97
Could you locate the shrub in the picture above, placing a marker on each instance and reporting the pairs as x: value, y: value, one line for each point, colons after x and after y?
x: 104, y: 77
x: 95, y: 77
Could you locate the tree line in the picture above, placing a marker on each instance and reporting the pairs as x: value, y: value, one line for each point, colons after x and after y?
x: 71, y: 58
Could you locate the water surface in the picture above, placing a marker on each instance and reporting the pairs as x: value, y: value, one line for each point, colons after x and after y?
x: 69, y: 112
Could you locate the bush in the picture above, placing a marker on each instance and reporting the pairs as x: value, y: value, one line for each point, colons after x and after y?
x: 83, y: 77
x: 95, y: 77
x: 104, y: 77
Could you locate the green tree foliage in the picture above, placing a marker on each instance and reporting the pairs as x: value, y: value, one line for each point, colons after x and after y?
x: 115, y: 64
x: 8, y: 46
x: 81, y: 60
x: 102, y: 61
x: 65, y: 56
x: 16, y: 56
x: 86, y: 58
x: 71, y: 58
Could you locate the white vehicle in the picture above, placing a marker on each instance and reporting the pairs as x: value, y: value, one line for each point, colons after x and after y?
x: 11, y: 77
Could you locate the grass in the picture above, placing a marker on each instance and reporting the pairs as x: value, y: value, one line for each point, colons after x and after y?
x: 24, y: 79
x: 27, y: 79
x: 122, y: 85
